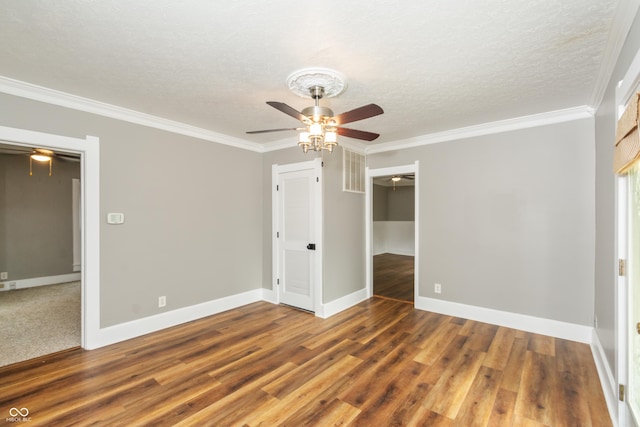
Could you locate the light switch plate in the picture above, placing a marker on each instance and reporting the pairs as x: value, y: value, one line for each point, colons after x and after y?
x: 115, y: 218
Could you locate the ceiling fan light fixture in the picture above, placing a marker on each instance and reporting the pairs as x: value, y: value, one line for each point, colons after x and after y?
x: 303, y: 138
x: 331, y: 137
x: 396, y: 179
x: 304, y: 142
x: 41, y: 155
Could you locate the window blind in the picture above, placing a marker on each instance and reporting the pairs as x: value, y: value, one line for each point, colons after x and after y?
x: 627, y: 150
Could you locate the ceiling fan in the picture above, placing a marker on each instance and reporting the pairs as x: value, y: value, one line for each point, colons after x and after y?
x: 397, y: 178
x: 321, y: 128
x: 38, y: 154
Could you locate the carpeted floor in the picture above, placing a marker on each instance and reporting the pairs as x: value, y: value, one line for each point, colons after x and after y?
x: 38, y: 321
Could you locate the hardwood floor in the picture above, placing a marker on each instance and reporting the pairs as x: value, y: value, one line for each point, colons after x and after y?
x: 393, y: 276
x: 380, y: 363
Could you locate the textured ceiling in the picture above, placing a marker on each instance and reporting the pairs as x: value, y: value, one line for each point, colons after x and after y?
x: 432, y: 65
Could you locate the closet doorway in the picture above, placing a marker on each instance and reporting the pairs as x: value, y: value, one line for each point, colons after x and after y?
x: 391, y: 233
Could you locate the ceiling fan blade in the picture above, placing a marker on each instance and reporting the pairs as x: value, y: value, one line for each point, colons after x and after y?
x: 360, y: 113
x: 14, y: 150
x: 357, y: 134
x: 68, y: 157
x: 281, y: 106
x: 251, y: 132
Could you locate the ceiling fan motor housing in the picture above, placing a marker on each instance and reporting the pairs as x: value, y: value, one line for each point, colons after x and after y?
x: 318, y: 113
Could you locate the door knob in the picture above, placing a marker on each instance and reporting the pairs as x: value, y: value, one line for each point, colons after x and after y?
x: 638, y: 327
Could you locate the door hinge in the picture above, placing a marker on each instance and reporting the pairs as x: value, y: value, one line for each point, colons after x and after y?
x: 277, y: 234
x: 621, y: 392
x: 622, y: 267
x: 277, y: 188
x: 317, y: 179
x: 277, y: 281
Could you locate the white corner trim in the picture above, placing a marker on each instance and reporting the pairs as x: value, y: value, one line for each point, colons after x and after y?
x: 336, y: 306
x: 62, y: 99
x: 607, y: 380
x: 523, y: 322
x: 269, y: 295
x: 42, y: 281
x: 542, y: 119
x: 622, y: 21
x: 136, y: 328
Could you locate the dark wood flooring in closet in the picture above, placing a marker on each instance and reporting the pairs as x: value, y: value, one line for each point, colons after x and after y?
x: 393, y: 277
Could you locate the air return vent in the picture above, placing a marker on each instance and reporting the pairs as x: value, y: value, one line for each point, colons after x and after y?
x: 353, y: 167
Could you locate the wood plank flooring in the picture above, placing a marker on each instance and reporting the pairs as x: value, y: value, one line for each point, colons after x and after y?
x: 393, y: 276
x: 380, y: 363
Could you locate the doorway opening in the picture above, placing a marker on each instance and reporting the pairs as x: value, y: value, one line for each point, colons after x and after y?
x: 41, y: 289
x: 392, y: 224
x: 89, y: 151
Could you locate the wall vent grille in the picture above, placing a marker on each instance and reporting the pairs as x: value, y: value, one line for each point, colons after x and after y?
x: 353, y: 168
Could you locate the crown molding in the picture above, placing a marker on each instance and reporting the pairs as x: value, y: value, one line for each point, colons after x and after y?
x: 542, y: 119
x: 622, y: 21
x: 50, y: 96
x: 62, y: 99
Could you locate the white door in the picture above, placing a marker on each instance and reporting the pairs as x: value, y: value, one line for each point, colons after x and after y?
x: 297, y: 216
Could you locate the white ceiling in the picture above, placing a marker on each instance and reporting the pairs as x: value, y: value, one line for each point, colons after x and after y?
x: 432, y: 65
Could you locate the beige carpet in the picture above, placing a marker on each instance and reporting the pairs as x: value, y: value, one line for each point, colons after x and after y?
x: 38, y: 321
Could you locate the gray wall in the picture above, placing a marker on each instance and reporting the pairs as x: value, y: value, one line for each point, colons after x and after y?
x: 344, y: 233
x: 507, y: 220
x: 380, y: 203
x: 193, y: 211
x: 401, y: 204
x: 605, y: 253
x: 344, y: 249
x: 393, y: 205
x: 36, y: 217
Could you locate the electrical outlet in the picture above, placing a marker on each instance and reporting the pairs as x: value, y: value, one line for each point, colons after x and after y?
x: 162, y: 301
x: 12, y: 285
x: 437, y: 288
x: 4, y: 275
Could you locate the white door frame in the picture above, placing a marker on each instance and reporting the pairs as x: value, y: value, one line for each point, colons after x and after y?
x: 89, y: 151
x: 621, y: 297
x: 625, y: 90
x: 374, y: 173
x: 317, y: 285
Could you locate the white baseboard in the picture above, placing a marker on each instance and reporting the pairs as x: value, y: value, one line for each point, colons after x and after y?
x: 336, y: 306
x: 40, y: 281
x: 136, y: 328
x: 404, y: 252
x: 538, y: 325
x: 269, y: 295
x: 607, y: 379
